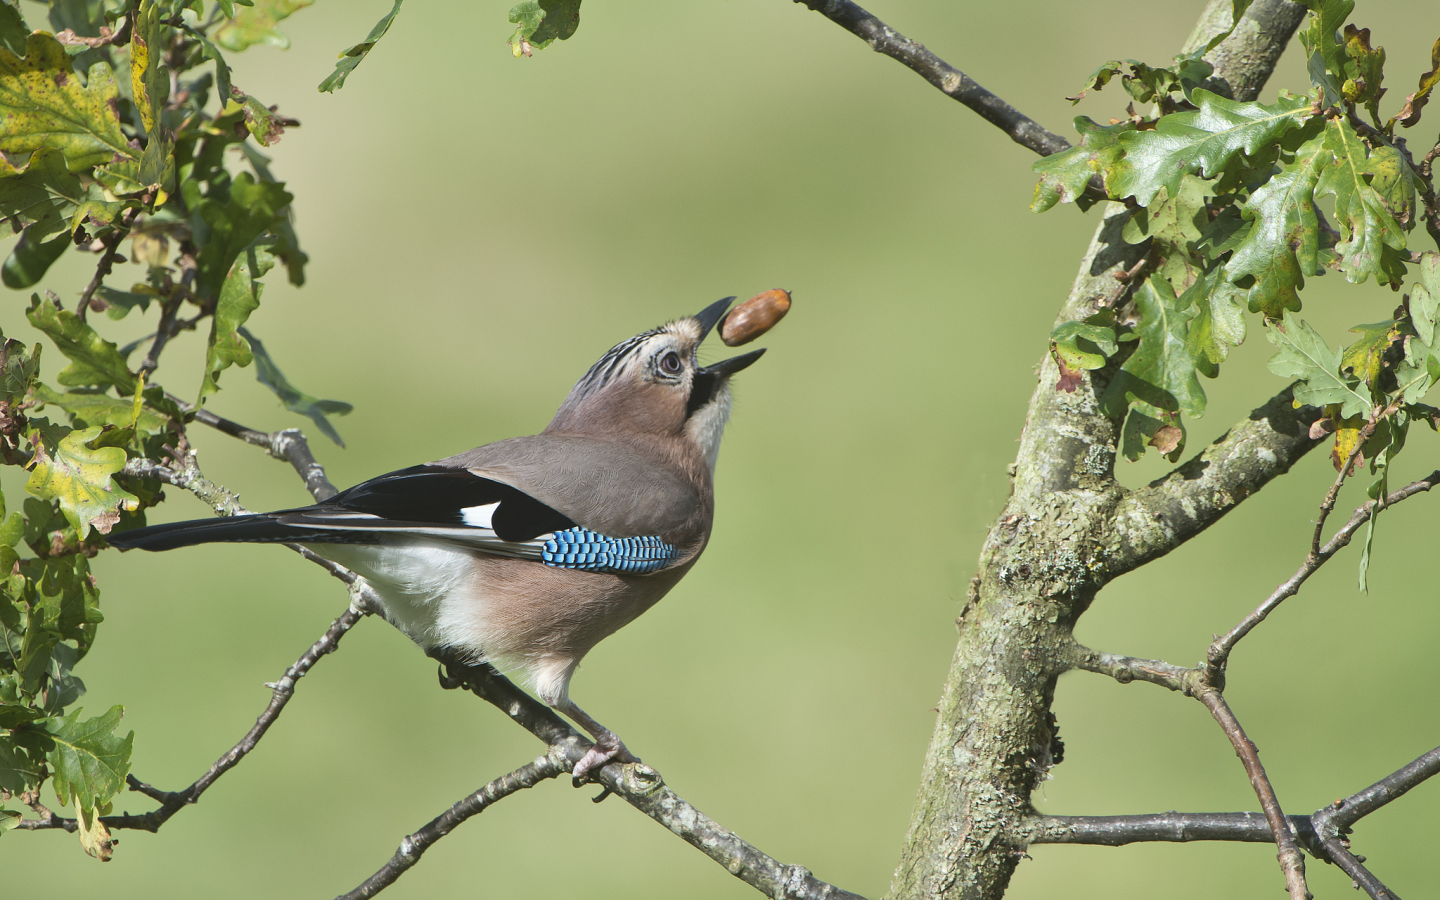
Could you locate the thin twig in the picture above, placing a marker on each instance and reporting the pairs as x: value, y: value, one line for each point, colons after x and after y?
x: 281, y: 691
x: 1219, y: 652
x: 288, y: 444
x: 1292, y: 861
x: 1332, y: 823
x: 1346, y: 470
x: 1168, y: 827
x: 1126, y: 669
x: 640, y: 786
x: 951, y: 81
x: 108, y: 258
x: 415, y: 845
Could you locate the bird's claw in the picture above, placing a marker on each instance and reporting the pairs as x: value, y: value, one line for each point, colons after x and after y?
x: 608, y: 748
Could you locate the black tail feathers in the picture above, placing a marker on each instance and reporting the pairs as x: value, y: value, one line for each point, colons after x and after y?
x: 258, y: 529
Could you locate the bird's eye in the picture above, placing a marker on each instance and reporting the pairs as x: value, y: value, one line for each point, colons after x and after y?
x: 670, y: 363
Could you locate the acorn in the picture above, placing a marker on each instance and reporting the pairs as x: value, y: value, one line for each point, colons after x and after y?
x: 754, y: 317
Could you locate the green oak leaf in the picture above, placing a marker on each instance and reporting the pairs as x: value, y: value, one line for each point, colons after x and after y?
x: 1172, y: 221
x: 1395, y: 181
x: 257, y: 25
x: 1064, y: 175
x: 18, y: 369
x: 353, y: 56
x: 541, y: 23
x: 1204, y: 141
x: 1219, y: 322
x: 43, y: 104
x: 1365, y: 224
x: 89, y: 760
x: 121, y: 302
x: 79, y: 478
x: 84, y: 17
x: 1409, y: 114
x: 1160, y: 371
x: 93, y: 360
x: 1144, y: 83
x: 18, y: 772
x: 87, y: 409
x: 65, y: 602
x: 29, y: 261
x: 1365, y: 69
x: 231, y: 226
x: 239, y: 297
x: 149, y: 78
x: 294, y: 399
x: 47, y: 199
x: 1306, y: 357
x: 13, y: 31
x: 1425, y: 297
x: 1283, y: 245
x: 287, y: 244
x: 1320, y: 37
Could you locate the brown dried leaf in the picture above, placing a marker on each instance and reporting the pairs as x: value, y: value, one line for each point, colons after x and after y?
x: 1409, y: 114
x: 1166, y: 438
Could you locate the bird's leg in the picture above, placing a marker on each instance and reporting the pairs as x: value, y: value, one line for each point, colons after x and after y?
x: 608, y: 746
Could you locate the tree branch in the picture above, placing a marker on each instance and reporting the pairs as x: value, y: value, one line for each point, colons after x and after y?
x: 288, y: 444
x: 1170, y: 827
x: 1156, y: 519
x: 172, y: 802
x: 1332, y: 823
x: 1219, y: 653
x: 951, y: 81
x: 640, y: 786
x: 1292, y: 861
x: 415, y: 845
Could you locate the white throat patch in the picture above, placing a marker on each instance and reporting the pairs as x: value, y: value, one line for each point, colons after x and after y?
x: 707, y: 424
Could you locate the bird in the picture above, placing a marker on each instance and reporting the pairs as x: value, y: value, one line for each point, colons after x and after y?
x: 527, y: 552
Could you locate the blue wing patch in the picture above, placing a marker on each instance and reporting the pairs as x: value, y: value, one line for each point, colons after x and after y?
x: 580, y: 548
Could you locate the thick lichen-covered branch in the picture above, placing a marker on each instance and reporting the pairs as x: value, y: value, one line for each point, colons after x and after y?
x: 1054, y: 545
x: 1156, y: 519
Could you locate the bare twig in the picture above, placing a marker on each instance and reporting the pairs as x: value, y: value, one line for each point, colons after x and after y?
x: 1292, y: 861
x: 1126, y: 669
x: 1332, y: 823
x: 415, y: 845
x: 1346, y: 470
x: 288, y: 444
x: 108, y: 258
x: 172, y: 802
x: 640, y: 786
x: 1219, y: 652
x: 951, y: 81
x: 1170, y: 827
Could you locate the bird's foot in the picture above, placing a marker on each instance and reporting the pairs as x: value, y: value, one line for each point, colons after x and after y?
x: 608, y: 748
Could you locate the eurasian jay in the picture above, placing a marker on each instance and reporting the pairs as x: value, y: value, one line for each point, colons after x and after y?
x: 525, y: 553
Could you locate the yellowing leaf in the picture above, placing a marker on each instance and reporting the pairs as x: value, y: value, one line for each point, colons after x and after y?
x: 148, y: 79
x: 43, y: 104
x: 80, y: 479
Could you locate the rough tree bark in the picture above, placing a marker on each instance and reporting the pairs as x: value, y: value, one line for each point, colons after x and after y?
x: 1069, y: 528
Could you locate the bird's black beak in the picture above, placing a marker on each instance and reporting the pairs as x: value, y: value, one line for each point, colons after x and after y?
x: 727, y: 367
x: 712, y: 314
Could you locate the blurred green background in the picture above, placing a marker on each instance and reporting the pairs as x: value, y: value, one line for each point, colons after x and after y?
x: 481, y: 228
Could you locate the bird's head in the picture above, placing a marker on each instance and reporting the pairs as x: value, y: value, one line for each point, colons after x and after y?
x: 653, y: 384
